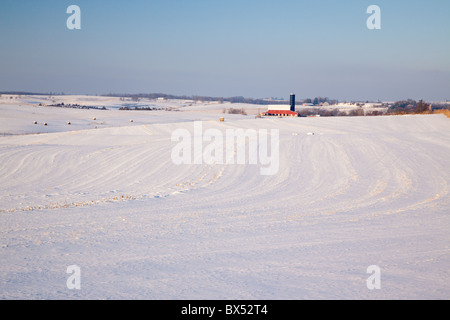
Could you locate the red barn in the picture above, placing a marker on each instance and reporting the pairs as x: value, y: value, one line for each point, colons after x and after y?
x: 283, y: 113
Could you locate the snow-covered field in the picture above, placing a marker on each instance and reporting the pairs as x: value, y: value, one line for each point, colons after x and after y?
x: 105, y: 195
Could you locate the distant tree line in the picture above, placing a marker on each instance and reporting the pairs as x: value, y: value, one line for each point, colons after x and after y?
x: 318, y: 100
x: 148, y: 108
x: 235, y: 111
x: 74, y: 106
x: 238, y: 99
x: 411, y: 106
x: 408, y: 106
x: 29, y: 93
x: 333, y: 112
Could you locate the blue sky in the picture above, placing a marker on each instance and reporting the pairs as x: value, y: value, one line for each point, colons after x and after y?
x: 251, y: 48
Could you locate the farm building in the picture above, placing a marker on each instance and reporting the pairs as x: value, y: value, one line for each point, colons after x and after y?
x: 282, y: 111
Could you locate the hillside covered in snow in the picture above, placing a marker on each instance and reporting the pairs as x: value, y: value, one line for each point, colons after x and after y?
x: 103, y: 193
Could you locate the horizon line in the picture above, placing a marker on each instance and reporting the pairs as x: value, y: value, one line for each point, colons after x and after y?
x: 213, y: 98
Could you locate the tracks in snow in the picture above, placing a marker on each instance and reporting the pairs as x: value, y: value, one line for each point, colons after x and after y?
x: 379, y: 171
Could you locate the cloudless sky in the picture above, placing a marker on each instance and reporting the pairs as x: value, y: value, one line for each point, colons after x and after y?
x: 251, y: 48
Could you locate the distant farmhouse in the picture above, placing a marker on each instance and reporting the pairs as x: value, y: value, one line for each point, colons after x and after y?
x: 282, y: 110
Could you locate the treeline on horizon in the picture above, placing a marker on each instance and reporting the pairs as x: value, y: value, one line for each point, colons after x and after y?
x: 24, y: 93
x: 238, y: 99
x: 412, y: 106
x: 408, y: 106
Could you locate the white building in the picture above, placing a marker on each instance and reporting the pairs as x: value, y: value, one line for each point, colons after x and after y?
x: 278, y: 107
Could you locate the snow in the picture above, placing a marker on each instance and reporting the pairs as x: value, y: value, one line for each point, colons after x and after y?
x: 104, y: 195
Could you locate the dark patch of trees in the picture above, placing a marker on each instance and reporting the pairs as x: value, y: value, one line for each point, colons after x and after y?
x: 235, y: 111
x: 323, y: 112
x: 75, y: 106
x: 318, y: 100
x: 29, y: 93
x: 410, y: 106
x: 148, y: 108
